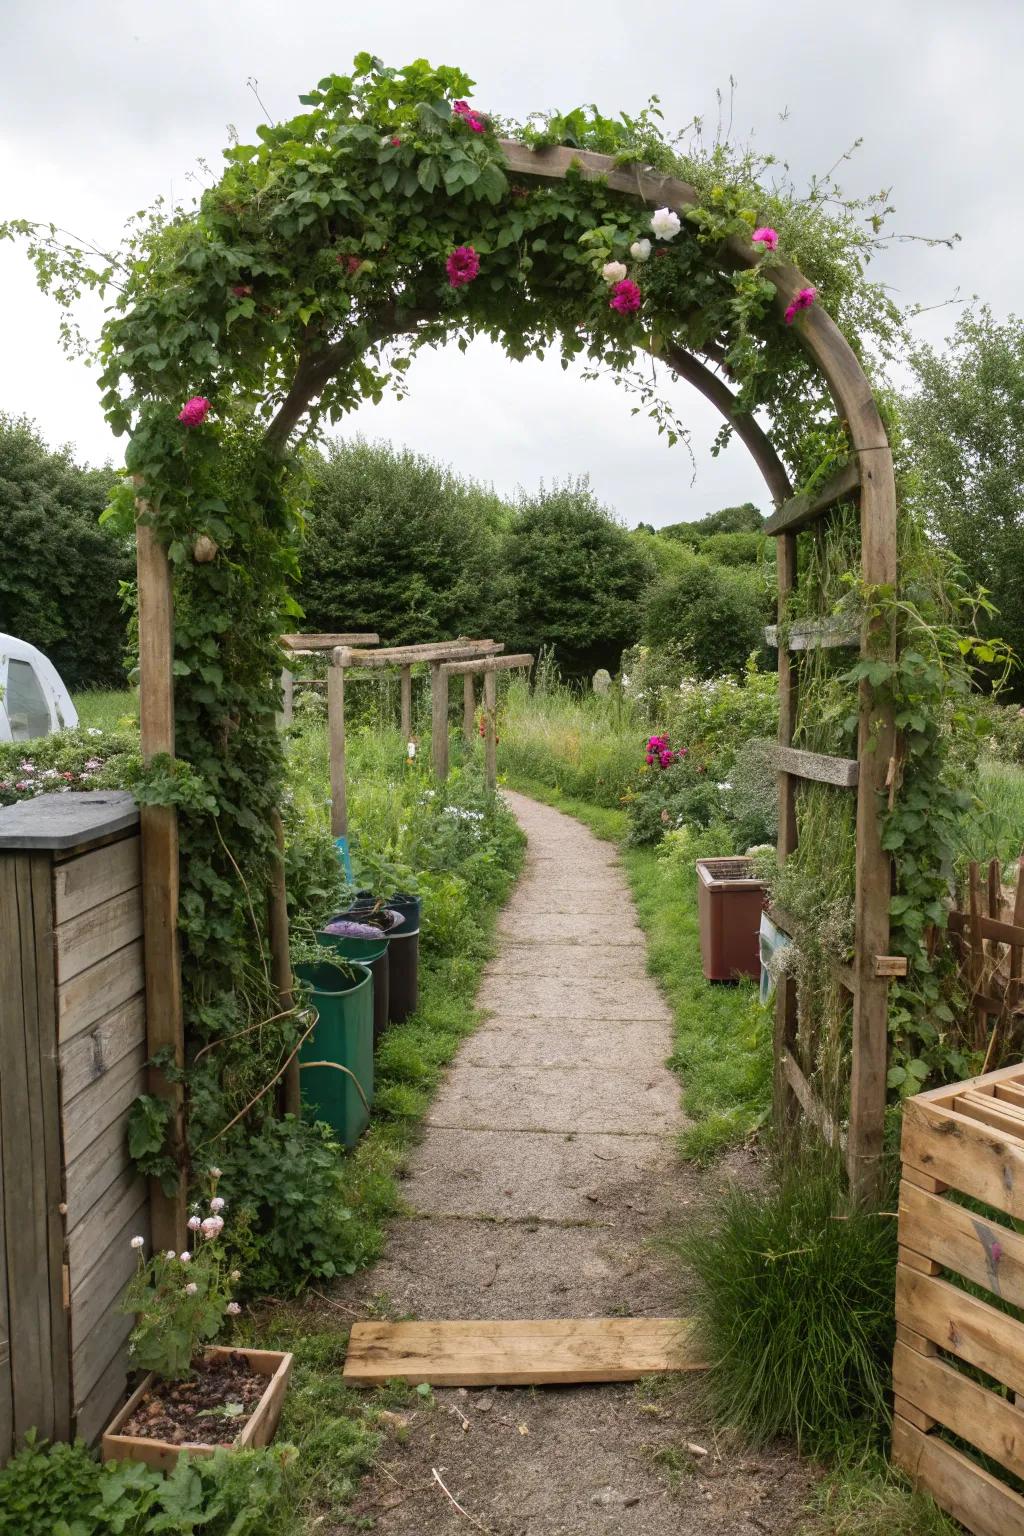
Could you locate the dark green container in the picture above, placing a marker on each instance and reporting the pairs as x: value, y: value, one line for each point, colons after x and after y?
x: 373, y: 953
x: 343, y: 1037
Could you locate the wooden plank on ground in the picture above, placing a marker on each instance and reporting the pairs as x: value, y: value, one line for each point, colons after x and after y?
x: 804, y: 509
x: 530, y: 1353
x: 970, y: 1494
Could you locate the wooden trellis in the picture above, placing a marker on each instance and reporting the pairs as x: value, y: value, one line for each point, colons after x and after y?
x: 311, y: 645
x: 867, y: 478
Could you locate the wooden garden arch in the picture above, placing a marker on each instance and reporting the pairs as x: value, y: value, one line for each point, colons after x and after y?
x: 867, y: 478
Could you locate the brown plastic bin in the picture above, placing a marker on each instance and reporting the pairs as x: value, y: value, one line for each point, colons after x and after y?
x: 729, y: 902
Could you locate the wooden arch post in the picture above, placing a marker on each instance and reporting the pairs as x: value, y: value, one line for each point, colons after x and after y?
x: 488, y: 667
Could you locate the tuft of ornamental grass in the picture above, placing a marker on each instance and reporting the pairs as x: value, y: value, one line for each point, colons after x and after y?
x: 795, y: 1299
x: 868, y: 1497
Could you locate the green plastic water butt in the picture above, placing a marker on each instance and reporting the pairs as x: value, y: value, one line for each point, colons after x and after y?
x: 343, y: 1037
x: 372, y: 953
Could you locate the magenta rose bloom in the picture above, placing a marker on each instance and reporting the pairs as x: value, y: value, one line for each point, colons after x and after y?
x: 804, y: 299
x: 462, y: 266
x: 767, y: 237
x: 195, y: 411
x: 626, y: 297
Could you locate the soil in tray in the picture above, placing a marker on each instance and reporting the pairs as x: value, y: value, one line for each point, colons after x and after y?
x: 211, y: 1408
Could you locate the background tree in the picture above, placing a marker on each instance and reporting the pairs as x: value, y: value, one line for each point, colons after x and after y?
x: 964, y: 440
x: 397, y: 543
x: 573, y: 579
x: 60, y: 572
x: 715, y: 614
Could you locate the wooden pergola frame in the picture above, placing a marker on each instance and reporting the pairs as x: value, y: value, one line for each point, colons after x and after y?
x: 488, y: 668
x: 868, y: 478
x: 344, y: 658
x: 312, y: 645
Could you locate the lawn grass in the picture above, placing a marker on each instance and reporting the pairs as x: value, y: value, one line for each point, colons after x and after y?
x: 722, y: 1035
x: 106, y: 709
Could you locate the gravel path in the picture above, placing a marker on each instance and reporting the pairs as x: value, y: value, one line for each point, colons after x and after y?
x: 547, y: 1167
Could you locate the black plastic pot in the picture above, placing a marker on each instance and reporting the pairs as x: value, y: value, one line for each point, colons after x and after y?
x: 403, y: 950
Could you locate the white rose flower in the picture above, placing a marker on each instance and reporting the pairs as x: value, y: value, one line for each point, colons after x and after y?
x: 665, y: 223
x: 170, y: 1254
x: 640, y: 250
x: 232, y: 1309
x: 186, y: 1258
x: 613, y: 271
x: 236, y: 1275
x: 217, y: 1204
x: 191, y: 1288
x: 138, y: 1242
x: 214, y: 1173
x: 194, y: 1223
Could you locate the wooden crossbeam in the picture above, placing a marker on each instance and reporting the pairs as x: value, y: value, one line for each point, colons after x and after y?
x: 407, y: 655
x: 531, y: 1353
x: 802, y: 510
x: 326, y: 642
x: 814, y: 634
x: 812, y: 1106
x: 844, y: 772
x: 486, y: 664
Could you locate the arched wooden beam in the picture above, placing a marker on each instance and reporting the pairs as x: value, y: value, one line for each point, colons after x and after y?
x: 743, y: 423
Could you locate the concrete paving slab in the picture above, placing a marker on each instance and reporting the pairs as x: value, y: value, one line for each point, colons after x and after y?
x: 627, y: 1182
x: 525, y: 926
x: 632, y: 1044
x: 607, y: 962
x: 574, y: 997
x: 558, y: 1099
x: 463, y: 1269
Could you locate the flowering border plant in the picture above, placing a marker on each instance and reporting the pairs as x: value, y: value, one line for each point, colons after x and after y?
x: 181, y: 1299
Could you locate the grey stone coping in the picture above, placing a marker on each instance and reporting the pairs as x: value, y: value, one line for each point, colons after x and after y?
x: 65, y: 820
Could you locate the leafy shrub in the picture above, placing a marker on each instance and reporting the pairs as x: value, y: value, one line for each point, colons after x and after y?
x: 61, y: 573
x: 60, y: 1490
x: 293, y: 1220
x: 716, y: 716
x: 683, y: 793
x: 795, y: 1295
x: 752, y: 800
x: 736, y: 548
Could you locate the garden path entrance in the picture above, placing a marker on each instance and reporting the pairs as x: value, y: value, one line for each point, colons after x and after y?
x: 547, y: 1168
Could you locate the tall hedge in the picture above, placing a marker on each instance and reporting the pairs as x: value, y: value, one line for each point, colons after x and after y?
x: 59, y: 570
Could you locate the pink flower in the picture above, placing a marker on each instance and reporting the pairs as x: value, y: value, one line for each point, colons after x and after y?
x: 767, y: 237
x: 472, y: 119
x: 194, y: 1223
x: 195, y: 411
x: 242, y: 290
x: 649, y: 759
x: 395, y: 143
x: 804, y: 299
x: 462, y: 266
x: 232, y: 1309
x: 626, y: 297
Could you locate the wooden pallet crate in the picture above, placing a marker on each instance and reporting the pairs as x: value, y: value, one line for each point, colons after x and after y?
x: 966, y: 1140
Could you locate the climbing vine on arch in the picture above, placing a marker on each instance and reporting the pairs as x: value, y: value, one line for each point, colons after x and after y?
x: 381, y: 220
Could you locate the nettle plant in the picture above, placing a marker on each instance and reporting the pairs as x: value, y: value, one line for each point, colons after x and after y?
x: 381, y: 220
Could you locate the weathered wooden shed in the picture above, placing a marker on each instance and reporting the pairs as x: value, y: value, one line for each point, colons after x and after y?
x: 72, y: 1060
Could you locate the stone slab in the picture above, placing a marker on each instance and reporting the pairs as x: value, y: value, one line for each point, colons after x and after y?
x: 594, y: 898
x: 627, y: 1182
x: 558, y: 1099
x: 573, y: 997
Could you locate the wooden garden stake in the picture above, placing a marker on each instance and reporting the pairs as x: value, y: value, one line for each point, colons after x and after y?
x: 406, y: 694
x: 491, y: 731
x: 158, y: 826
x: 439, y: 720
x: 468, y: 708
x: 336, y: 746
x: 280, y: 961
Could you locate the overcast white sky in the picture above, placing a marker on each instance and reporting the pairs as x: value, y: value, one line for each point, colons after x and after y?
x: 105, y: 104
